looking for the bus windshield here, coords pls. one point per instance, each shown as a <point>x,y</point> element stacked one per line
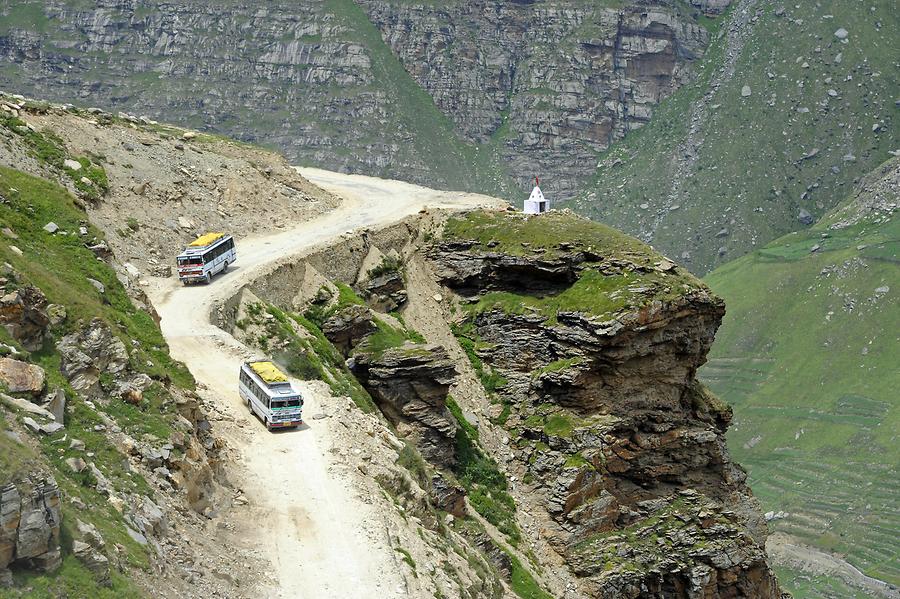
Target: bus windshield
<point>190,260</point>
<point>285,403</point>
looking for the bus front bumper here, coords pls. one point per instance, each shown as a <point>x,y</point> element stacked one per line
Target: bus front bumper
<point>286,424</point>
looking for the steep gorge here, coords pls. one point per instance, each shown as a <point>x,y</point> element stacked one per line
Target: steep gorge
<point>611,452</point>
<point>518,413</point>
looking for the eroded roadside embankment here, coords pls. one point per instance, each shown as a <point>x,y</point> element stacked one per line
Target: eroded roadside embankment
<point>283,312</point>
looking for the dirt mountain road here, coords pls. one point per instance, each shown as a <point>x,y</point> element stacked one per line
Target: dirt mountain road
<point>320,539</point>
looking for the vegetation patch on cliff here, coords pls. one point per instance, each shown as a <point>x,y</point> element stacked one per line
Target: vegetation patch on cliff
<point>485,484</point>
<point>553,235</point>
<point>612,272</point>
<point>88,176</point>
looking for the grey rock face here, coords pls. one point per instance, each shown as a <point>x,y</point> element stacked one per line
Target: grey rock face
<point>805,217</point>
<point>296,76</point>
<point>90,352</point>
<point>348,327</point>
<point>548,85</point>
<point>447,497</point>
<point>551,83</point>
<point>410,386</point>
<point>56,404</point>
<point>386,292</point>
<point>23,313</point>
<point>30,520</point>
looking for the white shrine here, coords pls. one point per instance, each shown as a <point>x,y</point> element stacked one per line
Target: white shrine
<point>536,202</point>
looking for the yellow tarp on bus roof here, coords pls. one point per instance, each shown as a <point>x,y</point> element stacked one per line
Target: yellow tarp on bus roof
<point>206,239</point>
<point>268,372</point>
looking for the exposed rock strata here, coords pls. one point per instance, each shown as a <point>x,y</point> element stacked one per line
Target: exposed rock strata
<point>410,386</point>
<point>620,445</point>
<point>348,327</point>
<point>545,86</point>
<point>29,526</point>
<point>550,83</point>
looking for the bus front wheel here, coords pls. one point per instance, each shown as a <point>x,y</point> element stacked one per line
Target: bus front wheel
<point>208,278</point>
<point>225,267</point>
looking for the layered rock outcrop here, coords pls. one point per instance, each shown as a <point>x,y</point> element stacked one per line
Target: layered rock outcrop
<point>90,352</point>
<point>410,385</point>
<point>598,340</point>
<point>348,327</point>
<point>30,522</point>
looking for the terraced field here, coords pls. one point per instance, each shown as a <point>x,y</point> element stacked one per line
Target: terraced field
<point>807,356</point>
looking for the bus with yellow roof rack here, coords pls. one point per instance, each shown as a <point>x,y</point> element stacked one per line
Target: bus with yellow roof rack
<point>270,394</point>
<point>209,254</point>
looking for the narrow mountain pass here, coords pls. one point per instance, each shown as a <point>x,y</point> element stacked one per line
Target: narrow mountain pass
<point>319,537</point>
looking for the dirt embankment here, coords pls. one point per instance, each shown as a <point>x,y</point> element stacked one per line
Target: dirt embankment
<point>167,185</point>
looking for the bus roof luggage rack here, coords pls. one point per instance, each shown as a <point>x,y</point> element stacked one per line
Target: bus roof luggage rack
<point>206,239</point>
<point>268,372</point>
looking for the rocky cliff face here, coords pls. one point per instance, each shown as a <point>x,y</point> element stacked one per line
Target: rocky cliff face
<point>597,342</point>
<point>538,88</point>
<point>29,526</point>
<point>550,83</point>
<point>313,79</point>
<point>410,385</point>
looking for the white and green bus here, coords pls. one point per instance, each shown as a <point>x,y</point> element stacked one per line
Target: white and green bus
<point>270,395</point>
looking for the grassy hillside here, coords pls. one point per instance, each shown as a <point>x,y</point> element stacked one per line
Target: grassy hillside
<point>61,266</point>
<point>820,113</point>
<point>807,355</point>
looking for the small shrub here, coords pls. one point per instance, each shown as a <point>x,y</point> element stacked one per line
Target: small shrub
<point>302,366</point>
<point>407,559</point>
<point>410,459</point>
<point>388,265</point>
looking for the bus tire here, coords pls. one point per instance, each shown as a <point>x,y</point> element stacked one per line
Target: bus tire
<point>268,425</point>
<point>225,267</point>
<point>208,278</point>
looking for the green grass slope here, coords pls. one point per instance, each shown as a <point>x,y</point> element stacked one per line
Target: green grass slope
<point>808,357</point>
<point>801,138</point>
<point>60,265</point>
